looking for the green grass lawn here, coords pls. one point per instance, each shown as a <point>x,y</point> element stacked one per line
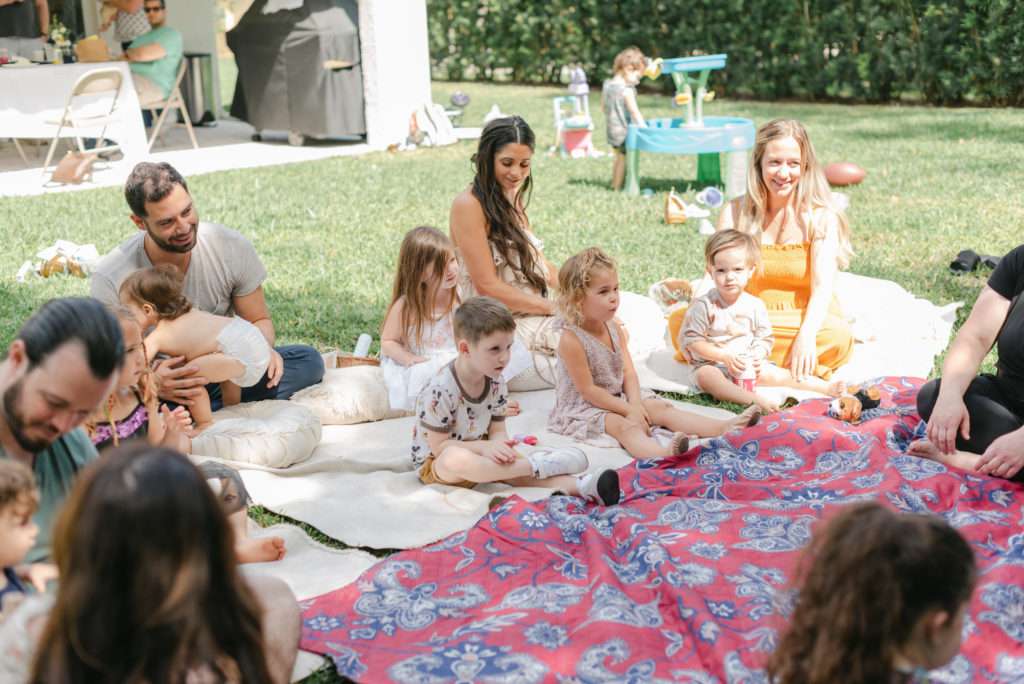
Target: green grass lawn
<point>939,180</point>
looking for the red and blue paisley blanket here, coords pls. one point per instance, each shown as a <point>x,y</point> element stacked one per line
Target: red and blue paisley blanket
<point>687,579</point>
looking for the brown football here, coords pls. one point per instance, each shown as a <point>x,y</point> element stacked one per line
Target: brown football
<point>844,173</point>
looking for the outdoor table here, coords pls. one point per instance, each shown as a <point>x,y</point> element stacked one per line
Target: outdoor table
<point>32,95</point>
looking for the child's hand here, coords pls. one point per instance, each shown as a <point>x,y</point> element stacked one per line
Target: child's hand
<point>499,451</point>
<point>275,369</point>
<point>637,414</point>
<point>512,408</point>
<point>735,365</point>
<point>37,574</point>
<point>176,430</point>
<point>414,360</point>
<point>182,417</point>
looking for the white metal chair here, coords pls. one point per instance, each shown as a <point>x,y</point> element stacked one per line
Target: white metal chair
<point>174,100</point>
<point>88,109</point>
<point>17,146</point>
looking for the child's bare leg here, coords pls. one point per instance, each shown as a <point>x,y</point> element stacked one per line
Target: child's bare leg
<point>230,393</point>
<point>632,438</point>
<point>618,170</point>
<point>679,420</point>
<point>456,464</point>
<point>253,550</point>
<point>217,367</point>
<point>202,414</point>
<point>713,381</point>
<point>773,376</point>
<point>964,460</point>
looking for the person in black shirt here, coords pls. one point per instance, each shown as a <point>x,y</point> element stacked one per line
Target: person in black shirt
<point>976,422</point>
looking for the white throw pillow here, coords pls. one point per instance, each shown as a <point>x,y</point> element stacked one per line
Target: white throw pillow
<point>355,394</point>
<point>270,433</point>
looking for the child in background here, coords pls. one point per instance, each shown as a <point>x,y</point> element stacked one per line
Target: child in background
<point>460,438</point>
<point>19,500</point>
<point>132,410</point>
<point>618,96</point>
<point>231,351</point>
<point>727,329</point>
<point>883,598</point>
<point>417,338</point>
<point>598,399</point>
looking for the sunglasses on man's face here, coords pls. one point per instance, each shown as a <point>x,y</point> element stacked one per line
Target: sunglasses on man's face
<point>154,9</point>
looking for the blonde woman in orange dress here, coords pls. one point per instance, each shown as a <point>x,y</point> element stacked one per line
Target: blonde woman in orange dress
<point>805,239</point>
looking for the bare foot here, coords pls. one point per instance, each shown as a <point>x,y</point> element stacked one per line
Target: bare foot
<point>958,459</point>
<point>767,405</point>
<point>836,388</point>
<point>512,408</point>
<point>260,550</point>
<point>748,417</point>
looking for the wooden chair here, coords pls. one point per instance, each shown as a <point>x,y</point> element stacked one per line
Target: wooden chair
<point>174,100</point>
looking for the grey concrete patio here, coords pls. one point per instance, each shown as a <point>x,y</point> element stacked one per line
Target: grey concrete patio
<point>228,145</point>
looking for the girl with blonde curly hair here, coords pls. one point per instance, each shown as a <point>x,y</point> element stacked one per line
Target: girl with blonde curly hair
<point>598,399</point>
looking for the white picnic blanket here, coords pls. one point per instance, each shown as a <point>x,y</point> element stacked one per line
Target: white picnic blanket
<point>309,569</point>
<point>359,486</point>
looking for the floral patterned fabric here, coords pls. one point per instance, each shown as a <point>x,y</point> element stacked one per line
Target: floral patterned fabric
<point>687,579</point>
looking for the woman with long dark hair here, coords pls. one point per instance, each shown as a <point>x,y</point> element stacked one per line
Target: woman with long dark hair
<point>499,255</point>
<point>149,585</point>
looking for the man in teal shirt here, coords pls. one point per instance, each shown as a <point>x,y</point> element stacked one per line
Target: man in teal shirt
<point>60,368</point>
<point>154,56</point>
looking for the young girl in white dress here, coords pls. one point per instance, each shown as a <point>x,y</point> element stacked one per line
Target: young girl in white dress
<point>598,399</point>
<point>417,338</point>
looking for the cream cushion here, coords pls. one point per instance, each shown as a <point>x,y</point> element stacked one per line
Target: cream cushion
<point>355,394</point>
<point>271,433</point>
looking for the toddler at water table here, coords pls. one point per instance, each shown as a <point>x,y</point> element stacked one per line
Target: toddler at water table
<point>598,399</point>
<point>460,437</point>
<point>231,351</point>
<point>618,95</point>
<point>727,329</point>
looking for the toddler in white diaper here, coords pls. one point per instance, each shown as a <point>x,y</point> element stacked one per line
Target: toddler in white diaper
<point>231,351</point>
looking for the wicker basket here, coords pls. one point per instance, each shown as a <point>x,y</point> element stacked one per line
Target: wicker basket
<point>339,359</point>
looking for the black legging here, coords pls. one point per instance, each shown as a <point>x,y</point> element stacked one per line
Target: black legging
<point>994,405</point>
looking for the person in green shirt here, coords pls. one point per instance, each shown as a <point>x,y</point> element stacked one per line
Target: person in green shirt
<point>154,56</point>
<point>61,366</point>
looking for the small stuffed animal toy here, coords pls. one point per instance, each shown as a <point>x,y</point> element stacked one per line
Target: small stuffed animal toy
<point>849,407</point>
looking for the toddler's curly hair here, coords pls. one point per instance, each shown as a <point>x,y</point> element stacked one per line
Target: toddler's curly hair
<point>17,485</point>
<point>574,278</point>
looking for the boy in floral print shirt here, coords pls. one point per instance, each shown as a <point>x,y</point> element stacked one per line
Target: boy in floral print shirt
<point>460,437</point>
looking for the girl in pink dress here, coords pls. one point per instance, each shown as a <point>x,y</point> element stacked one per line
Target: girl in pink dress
<point>598,399</point>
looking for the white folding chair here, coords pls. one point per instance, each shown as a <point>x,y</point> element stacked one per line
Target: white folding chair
<point>174,100</point>
<point>87,109</point>
<point>17,146</point>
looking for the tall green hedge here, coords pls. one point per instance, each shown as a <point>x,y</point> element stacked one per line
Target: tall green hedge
<point>946,51</point>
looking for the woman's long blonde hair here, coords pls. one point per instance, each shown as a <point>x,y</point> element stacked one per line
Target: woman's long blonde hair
<point>812,191</point>
<point>422,247</point>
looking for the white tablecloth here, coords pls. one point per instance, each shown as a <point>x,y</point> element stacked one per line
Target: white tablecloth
<point>32,95</point>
